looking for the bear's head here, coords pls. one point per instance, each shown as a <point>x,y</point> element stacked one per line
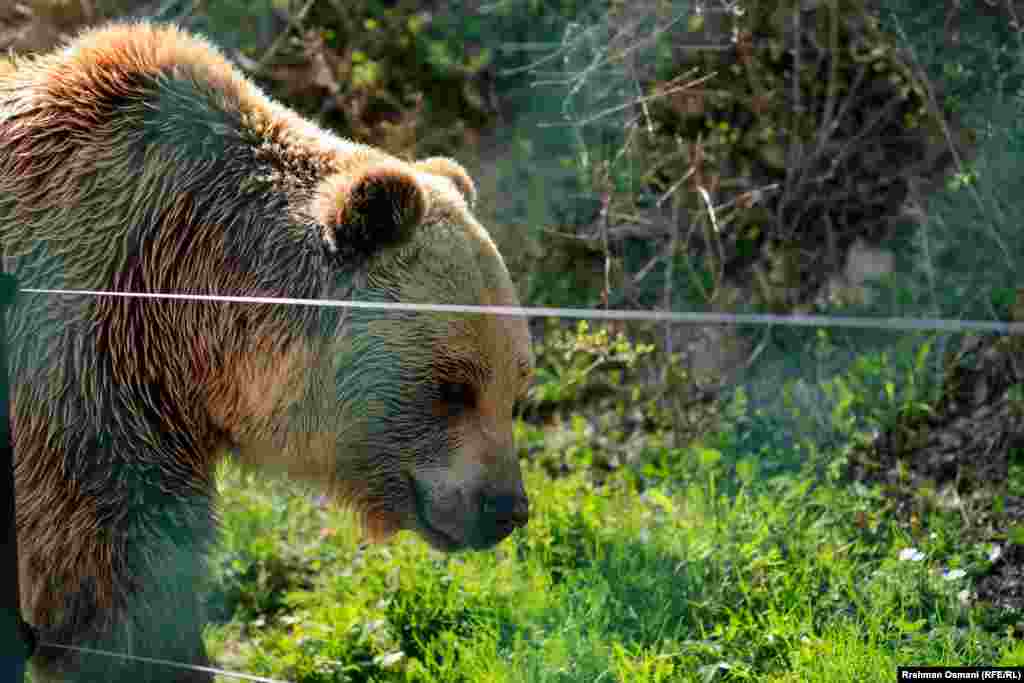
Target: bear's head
<point>409,415</point>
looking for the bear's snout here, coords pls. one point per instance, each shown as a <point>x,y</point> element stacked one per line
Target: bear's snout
<point>478,516</point>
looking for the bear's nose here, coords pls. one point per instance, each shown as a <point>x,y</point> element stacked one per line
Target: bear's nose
<point>505,512</point>
<point>510,508</point>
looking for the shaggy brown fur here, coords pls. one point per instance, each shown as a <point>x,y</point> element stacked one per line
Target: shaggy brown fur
<point>137,159</point>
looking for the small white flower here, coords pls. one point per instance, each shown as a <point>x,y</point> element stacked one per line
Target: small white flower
<point>954,574</point>
<point>995,553</point>
<point>964,597</point>
<point>911,555</point>
<point>389,660</point>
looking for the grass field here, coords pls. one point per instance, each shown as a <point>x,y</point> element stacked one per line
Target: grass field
<point>724,575</point>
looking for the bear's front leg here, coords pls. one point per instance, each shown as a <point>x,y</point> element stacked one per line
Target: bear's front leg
<point>151,608</point>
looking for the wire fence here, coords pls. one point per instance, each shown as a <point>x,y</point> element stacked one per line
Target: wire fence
<point>165,662</point>
<point>693,318</point>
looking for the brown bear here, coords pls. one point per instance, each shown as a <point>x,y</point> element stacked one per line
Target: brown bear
<point>137,159</point>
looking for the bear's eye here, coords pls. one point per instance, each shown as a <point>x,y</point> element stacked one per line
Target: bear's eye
<point>458,394</point>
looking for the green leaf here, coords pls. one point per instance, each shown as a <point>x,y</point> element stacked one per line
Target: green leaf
<point>910,626</point>
<point>708,457</point>
<point>746,470</point>
<point>661,500</point>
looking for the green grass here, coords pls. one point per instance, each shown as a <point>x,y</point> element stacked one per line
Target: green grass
<point>781,580</point>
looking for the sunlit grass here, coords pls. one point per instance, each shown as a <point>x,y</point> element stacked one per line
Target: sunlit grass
<point>781,581</point>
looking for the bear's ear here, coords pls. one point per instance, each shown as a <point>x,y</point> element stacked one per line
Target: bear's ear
<point>379,206</point>
<point>453,171</point>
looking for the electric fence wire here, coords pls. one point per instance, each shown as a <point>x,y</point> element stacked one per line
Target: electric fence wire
<point>800,320</point>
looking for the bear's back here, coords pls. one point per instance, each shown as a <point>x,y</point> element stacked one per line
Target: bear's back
<point>133,119</point>
<point>156,85</point>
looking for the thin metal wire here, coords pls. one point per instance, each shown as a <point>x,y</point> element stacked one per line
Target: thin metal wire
<point>165,662</point>
<point>904,324</point>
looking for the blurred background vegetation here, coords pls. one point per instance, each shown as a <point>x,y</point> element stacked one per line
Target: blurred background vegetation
<point>839,157</point>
